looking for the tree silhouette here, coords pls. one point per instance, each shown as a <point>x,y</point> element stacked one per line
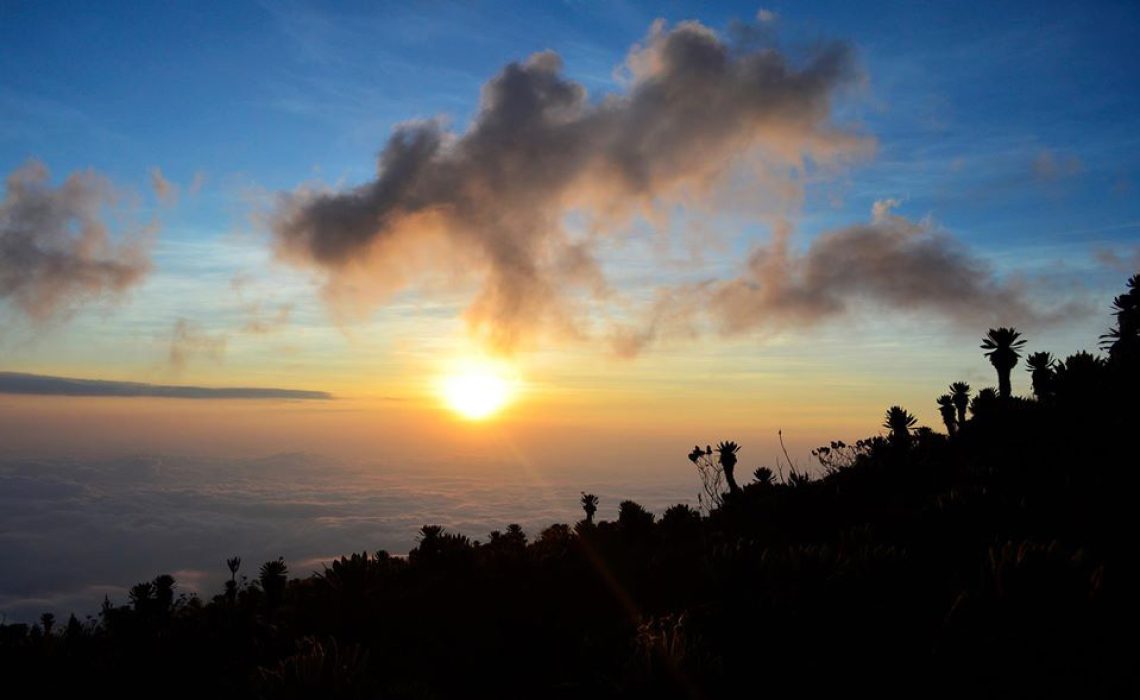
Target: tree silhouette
<point>1040,366</point>
<point>47,621</point>
<point>948,412</point>
<point>164,592</point>
<point>900,422</point>
<point>960,392</point>
<point>727,457</point>
<point>633,518</point>
<point>74,627</point>
<point>272,577</point>
<point>233,564</point>
<point>983,401</point>
<point>514,536</point>
<point>1079,379</point>
<point>590,505</point>
<point>141,596</point>
<point>1002,346</point>
<point>437,546</point>
<point>1123,340</point>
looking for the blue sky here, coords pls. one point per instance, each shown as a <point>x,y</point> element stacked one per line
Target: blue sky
<point>963,97</point>
<point>1011,125</point>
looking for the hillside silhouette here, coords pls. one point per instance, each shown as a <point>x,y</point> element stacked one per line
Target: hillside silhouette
<point>996,556</point>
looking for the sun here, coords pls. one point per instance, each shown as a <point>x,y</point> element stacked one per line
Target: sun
<point>476,392</point>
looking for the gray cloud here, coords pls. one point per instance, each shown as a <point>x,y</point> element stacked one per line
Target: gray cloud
<point>187,340</point>
<point>56,252</point>
<point>261,321</point>
<point>1126,261</point>
<point>889,262</point>
<point>491,201</point>
<point>44,385</point>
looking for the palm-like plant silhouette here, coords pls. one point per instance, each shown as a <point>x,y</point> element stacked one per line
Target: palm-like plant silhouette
<point>1079,378</point>
<point>47,621</point>
<point>900,422</point>
<point>233,564</point>
<point>983,401</point>
<point>1002,346</point>
<point>1123,340</point>
<point>141,596</point>
<point>948,412</point>
<point>727,455</point>
<point>272,577</point>
<point>590,505</point>
<point>960,393</point>
<point>1040,366</point>
<point>164,592</point>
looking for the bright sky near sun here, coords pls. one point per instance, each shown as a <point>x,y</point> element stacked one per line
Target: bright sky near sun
<point>1002,137</point>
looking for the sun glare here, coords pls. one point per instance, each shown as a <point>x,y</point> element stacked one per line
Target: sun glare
<point>476,393</point>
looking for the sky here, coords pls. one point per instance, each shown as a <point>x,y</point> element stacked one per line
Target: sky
<point>264,234</point>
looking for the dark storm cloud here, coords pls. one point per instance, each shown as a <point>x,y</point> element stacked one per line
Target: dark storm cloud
<point>42,385</point>
<point>493,198</point>
<point>56,252</point>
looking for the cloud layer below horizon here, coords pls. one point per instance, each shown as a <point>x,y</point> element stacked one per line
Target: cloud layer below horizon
<point>42,385</point>
<point>147,515</point>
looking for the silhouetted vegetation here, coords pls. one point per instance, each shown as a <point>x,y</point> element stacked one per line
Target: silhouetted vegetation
<point>998,559</point>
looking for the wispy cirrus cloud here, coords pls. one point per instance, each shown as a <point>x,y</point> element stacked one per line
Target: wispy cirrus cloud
<point>164,189</point>
<point>1051,166</point>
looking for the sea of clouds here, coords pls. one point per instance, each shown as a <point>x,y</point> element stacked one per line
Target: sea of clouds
<point>73,531</point>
